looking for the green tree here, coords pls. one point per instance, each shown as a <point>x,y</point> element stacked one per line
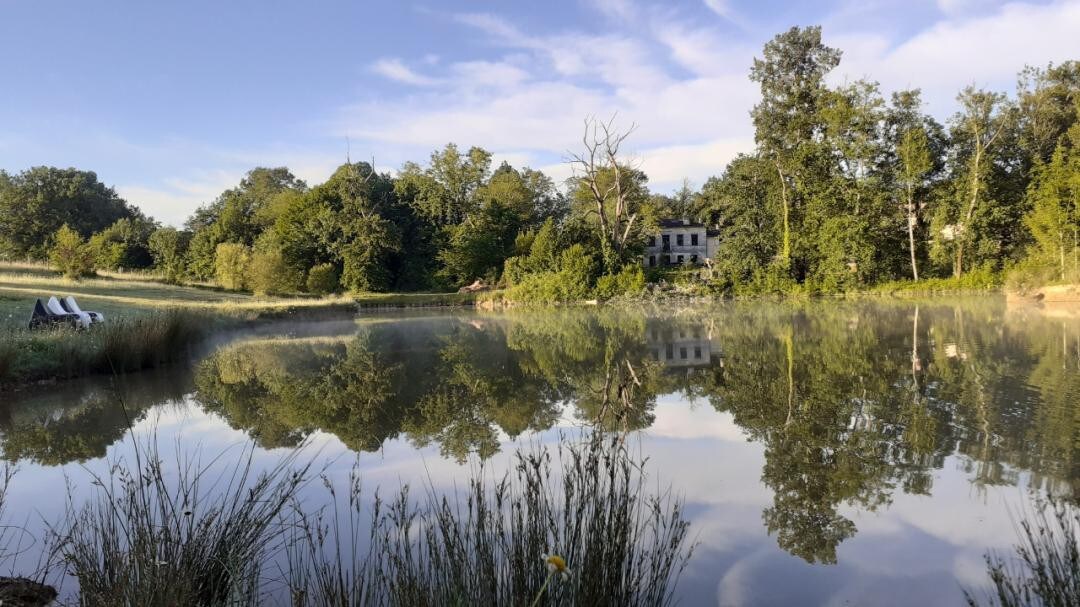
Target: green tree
<point>977,128</point>
<point>35,203</point>
<point>240,215</point>
<point>915,163</point>
<point>232,262</point>
<point>745,204</point>
<point>323,279</point>
<point>270,275</point>
<point>1054,219</point>
<point>168,247</point>
<point>70,254</point>
<point>787,120</point>
<point>125,244</point>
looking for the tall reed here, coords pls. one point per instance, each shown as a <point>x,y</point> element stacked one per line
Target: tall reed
<point>624,545</point>
<point>154,536</point>
<point>1045,569</point>
<point>158,536</point>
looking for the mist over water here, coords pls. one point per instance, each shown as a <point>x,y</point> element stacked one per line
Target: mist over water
<point>828,452</point>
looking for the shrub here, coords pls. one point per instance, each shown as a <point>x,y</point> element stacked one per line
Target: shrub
<point>571,282</point>
<point>232,262</point>
<point>71,254</point>
<point>269,274</point>
<point>629,281</point>
<point>323,279</point>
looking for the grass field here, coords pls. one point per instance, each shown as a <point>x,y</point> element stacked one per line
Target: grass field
<point>141,310</point>
<point>127,296</point>
<point>119,295</point>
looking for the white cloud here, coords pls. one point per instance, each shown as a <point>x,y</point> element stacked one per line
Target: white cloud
<point>720,7</point>
<point>172,202</point>
<point>954,7</point>
<point>683,87</point>
<point>396,70</point>
<point>987,50</point>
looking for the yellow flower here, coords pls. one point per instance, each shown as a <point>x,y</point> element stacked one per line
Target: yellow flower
<point>556,564</point>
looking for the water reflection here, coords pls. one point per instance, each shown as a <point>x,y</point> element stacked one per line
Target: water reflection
<point>852,403</point>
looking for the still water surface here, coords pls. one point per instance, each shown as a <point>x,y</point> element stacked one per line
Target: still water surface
<point>828,452</point>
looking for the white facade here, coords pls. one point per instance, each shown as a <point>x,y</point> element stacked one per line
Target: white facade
<point>680,242</point>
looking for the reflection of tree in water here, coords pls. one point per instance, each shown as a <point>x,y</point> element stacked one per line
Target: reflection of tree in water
<point>854,401</point>
<point>79,422</point>
<point>851,401</point>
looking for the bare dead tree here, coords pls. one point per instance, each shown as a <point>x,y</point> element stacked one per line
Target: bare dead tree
<point>606,177</point>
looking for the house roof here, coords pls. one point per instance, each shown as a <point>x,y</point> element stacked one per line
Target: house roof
<point>678,223</point>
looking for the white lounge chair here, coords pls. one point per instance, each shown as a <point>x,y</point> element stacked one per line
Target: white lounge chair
<point>73,306</point>
<point>41,317</point>
<point>54,307</point>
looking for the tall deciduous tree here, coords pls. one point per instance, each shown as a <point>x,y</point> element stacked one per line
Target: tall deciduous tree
<point>1054,219</point>
<point>979,124</point>
<point>612,190</point>
<point>791,73</point>
<point>915,162</point>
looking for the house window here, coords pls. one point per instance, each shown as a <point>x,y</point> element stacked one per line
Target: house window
<point>693,259</point>
<point>667,260</point>
<point>682,353</point>
<point>679,239</point>
<point>666,238</point>
<point>656,354</point>
<point>652,241</point>
<point>670,351</point>
<point>693,240</point>
<point>697,352</point>
<point>652,260</point>
<point>680,258</point>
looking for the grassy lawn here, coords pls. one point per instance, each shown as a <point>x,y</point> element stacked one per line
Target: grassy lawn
<point>128,296</point>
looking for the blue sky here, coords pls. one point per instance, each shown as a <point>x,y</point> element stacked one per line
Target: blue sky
<point>171,102</point>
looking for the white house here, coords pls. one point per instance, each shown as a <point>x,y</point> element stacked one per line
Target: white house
<point>681,242</point>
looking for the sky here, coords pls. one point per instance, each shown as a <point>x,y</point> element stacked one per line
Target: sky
<point>172,102</point>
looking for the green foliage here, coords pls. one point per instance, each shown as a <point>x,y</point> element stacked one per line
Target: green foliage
<point>1054,218</point>
<point>270,275</point>
<point>232,262</point>
<point>571,280</point>
<point>629,281</point>
<point>167,248</point>
<point>124,245</point>
<point>71,254</point>
<point>323,279</point>
<point>979,279</point>
<point>240,215</point>
<point>35,203</point>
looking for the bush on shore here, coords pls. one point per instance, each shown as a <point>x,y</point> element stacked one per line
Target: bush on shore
<point>71,254</point>
<point>323,279</point>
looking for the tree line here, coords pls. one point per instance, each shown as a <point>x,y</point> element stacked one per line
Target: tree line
<point>845,189</point>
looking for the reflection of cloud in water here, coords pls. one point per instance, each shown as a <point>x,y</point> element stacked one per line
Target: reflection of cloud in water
<point>905,500</point>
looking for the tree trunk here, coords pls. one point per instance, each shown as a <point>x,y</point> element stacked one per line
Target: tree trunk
<point>785,253</point>
<point>965,229</point>
<point>911,233</point>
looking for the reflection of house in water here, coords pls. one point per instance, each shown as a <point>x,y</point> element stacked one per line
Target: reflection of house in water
<point>679,345</point>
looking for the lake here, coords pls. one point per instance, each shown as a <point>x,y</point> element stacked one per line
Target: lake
<point>830,452</point>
